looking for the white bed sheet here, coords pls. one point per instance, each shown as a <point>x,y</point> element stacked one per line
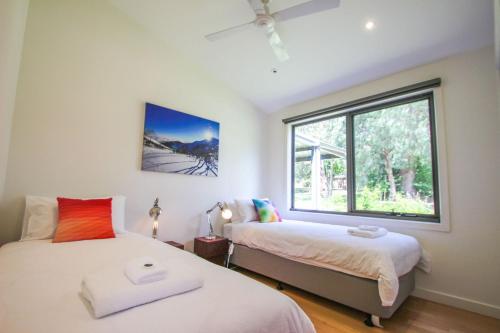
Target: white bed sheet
<point>40,285</point>
<point>382,259</point>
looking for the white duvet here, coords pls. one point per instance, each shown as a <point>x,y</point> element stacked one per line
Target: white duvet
<point>40,285</point>
<point>382,259</point>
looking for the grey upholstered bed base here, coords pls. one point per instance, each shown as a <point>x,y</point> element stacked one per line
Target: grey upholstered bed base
<point>358,293</point>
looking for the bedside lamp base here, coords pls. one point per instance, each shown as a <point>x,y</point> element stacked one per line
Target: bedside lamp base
<point>226,215</point>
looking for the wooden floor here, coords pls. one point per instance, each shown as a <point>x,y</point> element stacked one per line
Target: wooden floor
<point>416,315</point>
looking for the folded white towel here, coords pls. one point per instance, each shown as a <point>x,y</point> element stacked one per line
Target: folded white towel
<point>110,291</point>
<point>144,270</point>
<point>367,227</point>
<point>366,233</point>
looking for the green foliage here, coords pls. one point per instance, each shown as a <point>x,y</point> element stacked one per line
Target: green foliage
<point>335,203</point>
<point>400,134</point>
<point>303,174</point>
<point>331,169</point>
<point>423,178</point>
<point>331,131</point>
<point>338,167</point>
<point>405,205</point>
<point>377,179</point>
<point>368,198</point>
<point>391,142</point>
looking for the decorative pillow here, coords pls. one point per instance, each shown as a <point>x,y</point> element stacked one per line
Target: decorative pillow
<point>247,210</point>
<point>266,210</point>
<point>40,217</point>
<point>83,219</point>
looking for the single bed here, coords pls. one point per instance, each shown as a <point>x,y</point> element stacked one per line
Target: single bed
<point>372,275</point>
<point>40,292</point>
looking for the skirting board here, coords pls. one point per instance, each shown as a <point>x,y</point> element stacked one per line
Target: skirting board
<point>458,302</point>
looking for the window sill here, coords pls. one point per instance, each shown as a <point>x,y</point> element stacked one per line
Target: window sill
<point>418,219</point>
<point>354,220</point>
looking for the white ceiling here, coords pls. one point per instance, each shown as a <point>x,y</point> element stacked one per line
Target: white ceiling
<point>329,51</point>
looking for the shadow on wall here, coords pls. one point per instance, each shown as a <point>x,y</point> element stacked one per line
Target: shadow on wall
<point>11,219</point>
<point>167,231</point>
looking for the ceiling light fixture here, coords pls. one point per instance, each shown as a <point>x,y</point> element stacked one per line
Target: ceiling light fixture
<point>369,25</point>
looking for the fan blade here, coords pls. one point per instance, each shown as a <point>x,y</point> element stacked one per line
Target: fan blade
<point>308,8</point>
<point>229,31</point>
<point>277,45</point>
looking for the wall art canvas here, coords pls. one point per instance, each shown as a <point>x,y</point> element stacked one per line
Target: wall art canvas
<point>177,142</point>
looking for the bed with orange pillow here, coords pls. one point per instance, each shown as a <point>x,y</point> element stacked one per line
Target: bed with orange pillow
<point>81,219</point>
<point>40,282</point>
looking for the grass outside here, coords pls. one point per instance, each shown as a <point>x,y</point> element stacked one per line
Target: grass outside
<point>365,200</point>
<point>337,202</point>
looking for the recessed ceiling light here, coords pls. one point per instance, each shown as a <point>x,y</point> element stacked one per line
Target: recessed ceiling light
<point>369,25</point>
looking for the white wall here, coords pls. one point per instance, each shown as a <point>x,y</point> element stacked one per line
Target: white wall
<point>86,72</point>
<point>496,9</point>
<point>12,23</point>
<point>466,261</point>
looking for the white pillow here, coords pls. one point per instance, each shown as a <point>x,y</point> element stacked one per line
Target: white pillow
<point>236,218</point>
<point>247,210</point>
<point>41,216</point>
<point>118,213</point>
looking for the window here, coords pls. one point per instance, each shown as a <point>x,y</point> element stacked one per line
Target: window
<point>320,166</point>
<point>377,159</point>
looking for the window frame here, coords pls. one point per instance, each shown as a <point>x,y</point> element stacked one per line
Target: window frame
<point>366,107</point>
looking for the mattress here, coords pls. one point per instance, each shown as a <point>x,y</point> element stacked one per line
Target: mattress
<point>40,285</point>
<point>382,259</point>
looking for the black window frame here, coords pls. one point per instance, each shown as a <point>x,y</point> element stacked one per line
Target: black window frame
<point>382,101</point>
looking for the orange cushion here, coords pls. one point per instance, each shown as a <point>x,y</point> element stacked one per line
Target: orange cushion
<point>83,219</point>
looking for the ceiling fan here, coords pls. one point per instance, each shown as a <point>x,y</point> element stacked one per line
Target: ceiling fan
<point>266,21</point>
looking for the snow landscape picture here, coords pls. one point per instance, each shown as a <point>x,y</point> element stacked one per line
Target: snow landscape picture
<point>178,142</point>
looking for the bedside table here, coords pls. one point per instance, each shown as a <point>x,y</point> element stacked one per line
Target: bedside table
<point>175,244</point>
<point>213,250</point>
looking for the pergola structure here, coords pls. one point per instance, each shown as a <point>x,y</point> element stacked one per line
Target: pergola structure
<point>313,150</point>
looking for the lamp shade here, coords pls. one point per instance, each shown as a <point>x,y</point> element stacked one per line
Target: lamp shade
<point>226,213</point>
